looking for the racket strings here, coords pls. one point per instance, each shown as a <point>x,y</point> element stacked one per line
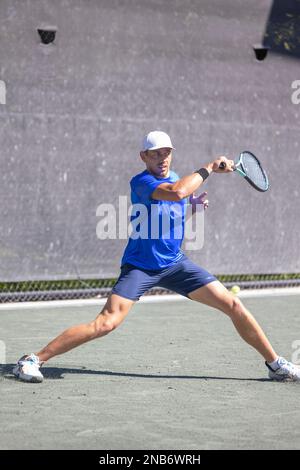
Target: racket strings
<point>253,170</point>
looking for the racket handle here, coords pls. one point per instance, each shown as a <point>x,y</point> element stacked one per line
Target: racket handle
<point>222,165</point>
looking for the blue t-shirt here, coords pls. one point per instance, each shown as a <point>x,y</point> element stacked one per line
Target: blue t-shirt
<point>157,226</point>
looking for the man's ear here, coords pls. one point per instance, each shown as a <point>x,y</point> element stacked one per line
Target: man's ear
<point>143,155</point>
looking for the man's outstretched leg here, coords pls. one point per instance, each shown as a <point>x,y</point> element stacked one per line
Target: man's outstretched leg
<point>216,295</point>
<point>111,316</point>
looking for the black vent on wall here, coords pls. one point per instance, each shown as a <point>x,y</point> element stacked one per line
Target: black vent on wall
<point>260,52</point>
<point>47,35</point>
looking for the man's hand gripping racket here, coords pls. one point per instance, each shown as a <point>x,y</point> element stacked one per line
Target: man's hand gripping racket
<point>249,167</point>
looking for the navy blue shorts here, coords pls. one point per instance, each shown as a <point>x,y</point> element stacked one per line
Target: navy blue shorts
<point>182,277</point>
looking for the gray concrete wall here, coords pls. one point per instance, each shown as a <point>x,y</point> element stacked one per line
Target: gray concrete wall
<point>77,110</point>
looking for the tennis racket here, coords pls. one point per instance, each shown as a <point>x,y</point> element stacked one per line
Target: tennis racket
<point>248,166</point>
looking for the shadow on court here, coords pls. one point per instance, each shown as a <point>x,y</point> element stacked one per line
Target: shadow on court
<point>59,372</point>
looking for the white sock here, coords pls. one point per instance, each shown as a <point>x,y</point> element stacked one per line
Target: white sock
<point>274,364</point>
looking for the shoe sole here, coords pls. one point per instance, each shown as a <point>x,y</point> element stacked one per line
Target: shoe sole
<point>278,378</point>
<point>31,380</point>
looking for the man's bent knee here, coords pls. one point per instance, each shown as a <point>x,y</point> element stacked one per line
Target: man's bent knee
<point>104,324</point>
<point>235,308</point>
<point>109,322</point>
<point>111,316</point>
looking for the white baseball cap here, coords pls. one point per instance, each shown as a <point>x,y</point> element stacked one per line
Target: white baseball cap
<point>156,140</point>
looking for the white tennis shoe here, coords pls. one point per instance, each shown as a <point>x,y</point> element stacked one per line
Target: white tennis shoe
<point>28,369</point>
<point>286,371</point>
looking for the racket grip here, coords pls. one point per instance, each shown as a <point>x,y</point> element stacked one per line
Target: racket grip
<point>222,165</point>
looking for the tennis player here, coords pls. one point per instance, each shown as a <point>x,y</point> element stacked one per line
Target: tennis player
<point>158,261</point>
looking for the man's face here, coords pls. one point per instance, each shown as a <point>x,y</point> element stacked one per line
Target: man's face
<point>158,161</point>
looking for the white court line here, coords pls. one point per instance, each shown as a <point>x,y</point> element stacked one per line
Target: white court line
<point>248,293</point>
<point>275,292</point>
<point>84,302</point>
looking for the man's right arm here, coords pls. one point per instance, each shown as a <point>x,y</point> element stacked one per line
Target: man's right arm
<point>186,186</point>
